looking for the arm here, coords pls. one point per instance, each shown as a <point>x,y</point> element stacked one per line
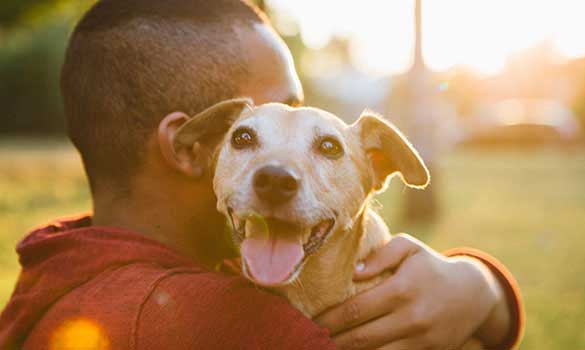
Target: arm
<point>430,301</point>
<point>504,326</point>
<point>212,311</point>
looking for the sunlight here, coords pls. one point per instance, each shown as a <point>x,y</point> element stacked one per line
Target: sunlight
<point>478,34</point>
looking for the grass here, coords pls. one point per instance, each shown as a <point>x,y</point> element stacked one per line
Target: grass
<point>525,207</point>
<point>38,182</point>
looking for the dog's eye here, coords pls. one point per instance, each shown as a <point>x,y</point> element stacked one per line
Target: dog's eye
<point>243,137</point>
<point>330,147</point>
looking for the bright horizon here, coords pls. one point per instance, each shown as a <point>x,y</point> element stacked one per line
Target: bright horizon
<point>478,34</point>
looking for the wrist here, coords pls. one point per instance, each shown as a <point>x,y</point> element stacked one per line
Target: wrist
<point>490,308</point>
<point>480,281</point>
<point>494,329</point>
<point>479,285</point>
<point>507,315</point>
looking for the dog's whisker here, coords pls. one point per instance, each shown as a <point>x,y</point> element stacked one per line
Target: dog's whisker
<point>304,212</point>
<point>300,285</point>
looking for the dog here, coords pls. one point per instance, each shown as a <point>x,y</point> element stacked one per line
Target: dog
<point>295,184</point>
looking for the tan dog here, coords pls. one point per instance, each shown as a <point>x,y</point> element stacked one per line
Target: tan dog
<point>295,183</point>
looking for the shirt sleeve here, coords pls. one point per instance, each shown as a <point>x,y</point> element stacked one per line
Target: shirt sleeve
<point>213,311</point>
<point>511,291</point>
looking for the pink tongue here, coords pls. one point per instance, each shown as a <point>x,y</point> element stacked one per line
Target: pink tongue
<point>272,258</point>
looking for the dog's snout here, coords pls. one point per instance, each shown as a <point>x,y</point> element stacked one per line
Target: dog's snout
<point>275,185</point>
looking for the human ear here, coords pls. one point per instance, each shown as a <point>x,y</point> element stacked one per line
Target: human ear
<point>187,144</point>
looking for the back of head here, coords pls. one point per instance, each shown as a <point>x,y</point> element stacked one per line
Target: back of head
<point>130,63</point>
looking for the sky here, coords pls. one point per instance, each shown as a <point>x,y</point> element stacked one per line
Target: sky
<point>479,34</point>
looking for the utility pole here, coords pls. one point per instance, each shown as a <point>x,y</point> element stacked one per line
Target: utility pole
<point>418,56</point>
<point>421,122</point>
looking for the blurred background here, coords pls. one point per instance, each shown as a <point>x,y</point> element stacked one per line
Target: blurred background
<point>492,93</point>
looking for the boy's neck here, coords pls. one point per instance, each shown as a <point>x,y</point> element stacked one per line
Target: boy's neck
<point>195,232</point>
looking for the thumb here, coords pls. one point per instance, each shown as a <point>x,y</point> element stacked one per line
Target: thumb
<point>388,257</point>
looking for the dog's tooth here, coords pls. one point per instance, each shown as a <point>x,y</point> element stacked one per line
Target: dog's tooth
<point>247,229</point>
<point>306,235</point>
<point>255,225</point>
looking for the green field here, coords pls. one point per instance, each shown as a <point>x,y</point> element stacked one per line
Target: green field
<point>525,207</point>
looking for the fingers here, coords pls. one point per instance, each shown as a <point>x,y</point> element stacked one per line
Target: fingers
<point>388,257</point>
<point>390,330</point>
<point>373,303</point>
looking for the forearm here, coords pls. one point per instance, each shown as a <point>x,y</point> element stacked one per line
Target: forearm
<point>503,327</point>
<point>496,327</point>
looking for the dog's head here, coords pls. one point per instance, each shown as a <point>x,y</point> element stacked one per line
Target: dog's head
<point>288,178</point>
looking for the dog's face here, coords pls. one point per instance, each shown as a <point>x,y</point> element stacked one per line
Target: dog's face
<point>289,178</point>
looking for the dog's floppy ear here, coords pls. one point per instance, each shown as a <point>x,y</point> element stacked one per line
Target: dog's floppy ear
<point>389,153</point>
<point>209,126</point>
<point>197,138</point>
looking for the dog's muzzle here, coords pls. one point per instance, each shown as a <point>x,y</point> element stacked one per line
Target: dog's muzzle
<point>273,250</point>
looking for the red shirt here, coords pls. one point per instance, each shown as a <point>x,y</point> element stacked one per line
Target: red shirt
<point>98,288</point>
<point>106,288</point>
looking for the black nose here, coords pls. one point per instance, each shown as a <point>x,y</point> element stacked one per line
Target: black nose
<point>275,185</point>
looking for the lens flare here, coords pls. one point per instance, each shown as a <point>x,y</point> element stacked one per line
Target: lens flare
<point>77,334</point>
<point>481,35</point>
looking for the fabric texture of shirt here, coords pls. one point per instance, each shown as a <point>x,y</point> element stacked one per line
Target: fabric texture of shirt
<point>103,288</point>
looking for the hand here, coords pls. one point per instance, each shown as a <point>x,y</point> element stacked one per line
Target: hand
<point>430,302</point>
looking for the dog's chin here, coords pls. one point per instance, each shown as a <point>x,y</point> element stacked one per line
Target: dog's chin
<point>283,245</point>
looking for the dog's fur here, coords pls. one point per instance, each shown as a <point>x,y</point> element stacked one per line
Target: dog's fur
<point>338,189</point>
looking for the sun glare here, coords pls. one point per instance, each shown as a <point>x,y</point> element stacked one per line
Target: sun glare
<point>78,334</point>
<point>480,34</point>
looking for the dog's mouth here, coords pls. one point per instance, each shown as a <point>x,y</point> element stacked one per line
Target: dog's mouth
<point>274,250</point>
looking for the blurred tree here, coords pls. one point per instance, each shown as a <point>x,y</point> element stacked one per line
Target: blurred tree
<point>13,11</point>
<point>29,73</point>
<point>464,89</point>
<point>31,53</point>
<point>415,99</point>
<point>579,105</point>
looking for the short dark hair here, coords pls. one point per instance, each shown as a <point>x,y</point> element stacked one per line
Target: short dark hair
<point>130,63</point>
